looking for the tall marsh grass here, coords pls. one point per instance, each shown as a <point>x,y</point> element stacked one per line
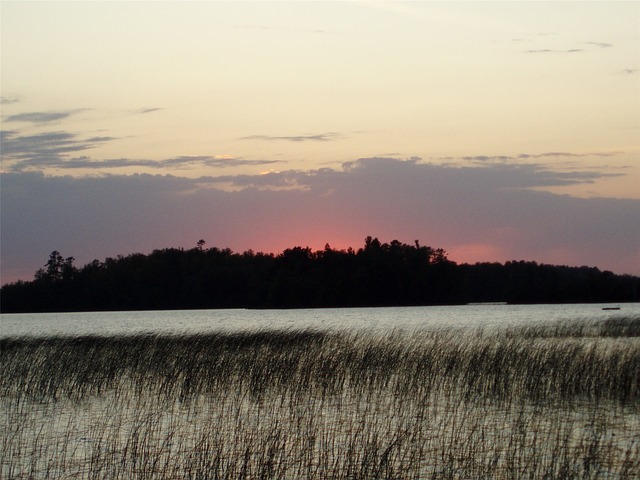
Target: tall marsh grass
<point>547,401</point>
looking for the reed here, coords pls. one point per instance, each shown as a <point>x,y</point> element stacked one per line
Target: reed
<point>550,401</point>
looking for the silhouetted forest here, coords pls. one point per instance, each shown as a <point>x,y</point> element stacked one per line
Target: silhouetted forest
<point>378,274</point>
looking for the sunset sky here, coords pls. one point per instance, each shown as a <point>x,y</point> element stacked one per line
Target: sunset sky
<point>495,130</point>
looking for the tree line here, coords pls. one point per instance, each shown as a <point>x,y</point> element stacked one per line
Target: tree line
<point>378,274</point>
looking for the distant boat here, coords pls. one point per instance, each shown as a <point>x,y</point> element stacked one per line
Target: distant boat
<point>611,308</point>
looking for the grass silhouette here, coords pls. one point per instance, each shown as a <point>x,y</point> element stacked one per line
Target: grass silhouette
<point>546,401</point>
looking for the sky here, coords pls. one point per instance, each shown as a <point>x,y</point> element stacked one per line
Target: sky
<point>495,130</point>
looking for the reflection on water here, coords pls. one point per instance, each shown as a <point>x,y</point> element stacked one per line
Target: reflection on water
<point>435,404</point>
<point>405,318</point>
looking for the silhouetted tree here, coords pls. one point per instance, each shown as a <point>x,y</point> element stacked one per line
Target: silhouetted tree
<point>377,274</point>
<point>57,268</point>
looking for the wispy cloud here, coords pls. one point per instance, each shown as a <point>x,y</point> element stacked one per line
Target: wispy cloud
<point>591,46</point>
<point>38,151</point>
<point>55,149</point>
<point>217,161</point>
<point>186,161</point>
<point>599,44</point>
<point>5,100</point>
<point>142,111</point>
<point>527,156</point>
<point>549,50</point>
<point>320,137</point>
<point>40,117</point>
<point>52,151</point>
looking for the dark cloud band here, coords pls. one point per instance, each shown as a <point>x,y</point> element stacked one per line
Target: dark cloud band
<point>494,204</point>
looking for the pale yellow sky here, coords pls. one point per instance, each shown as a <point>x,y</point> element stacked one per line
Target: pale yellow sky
<point>314,84</point>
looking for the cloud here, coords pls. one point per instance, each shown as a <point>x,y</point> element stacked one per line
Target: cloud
<point>321,137</point>
<point>86,163</point>
<point>41,117</point>
<point>549,50</point>
<point>21,152</point>
<point>451,207</point>
<point>599,44</point>
<point>485,158</point>
<point>528,156</point>
<point>142,111</point>
<point>569,154</point>
<point>38,117</point>
<point>213,161</point>
<point>5,100</point>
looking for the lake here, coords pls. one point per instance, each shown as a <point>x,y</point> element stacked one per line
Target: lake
<point>420,403</point>
<point>377,319</point>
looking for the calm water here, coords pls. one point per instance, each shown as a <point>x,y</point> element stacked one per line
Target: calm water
<point>406,318</point>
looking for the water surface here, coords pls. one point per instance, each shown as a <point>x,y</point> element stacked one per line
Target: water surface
<point>385,318</point>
